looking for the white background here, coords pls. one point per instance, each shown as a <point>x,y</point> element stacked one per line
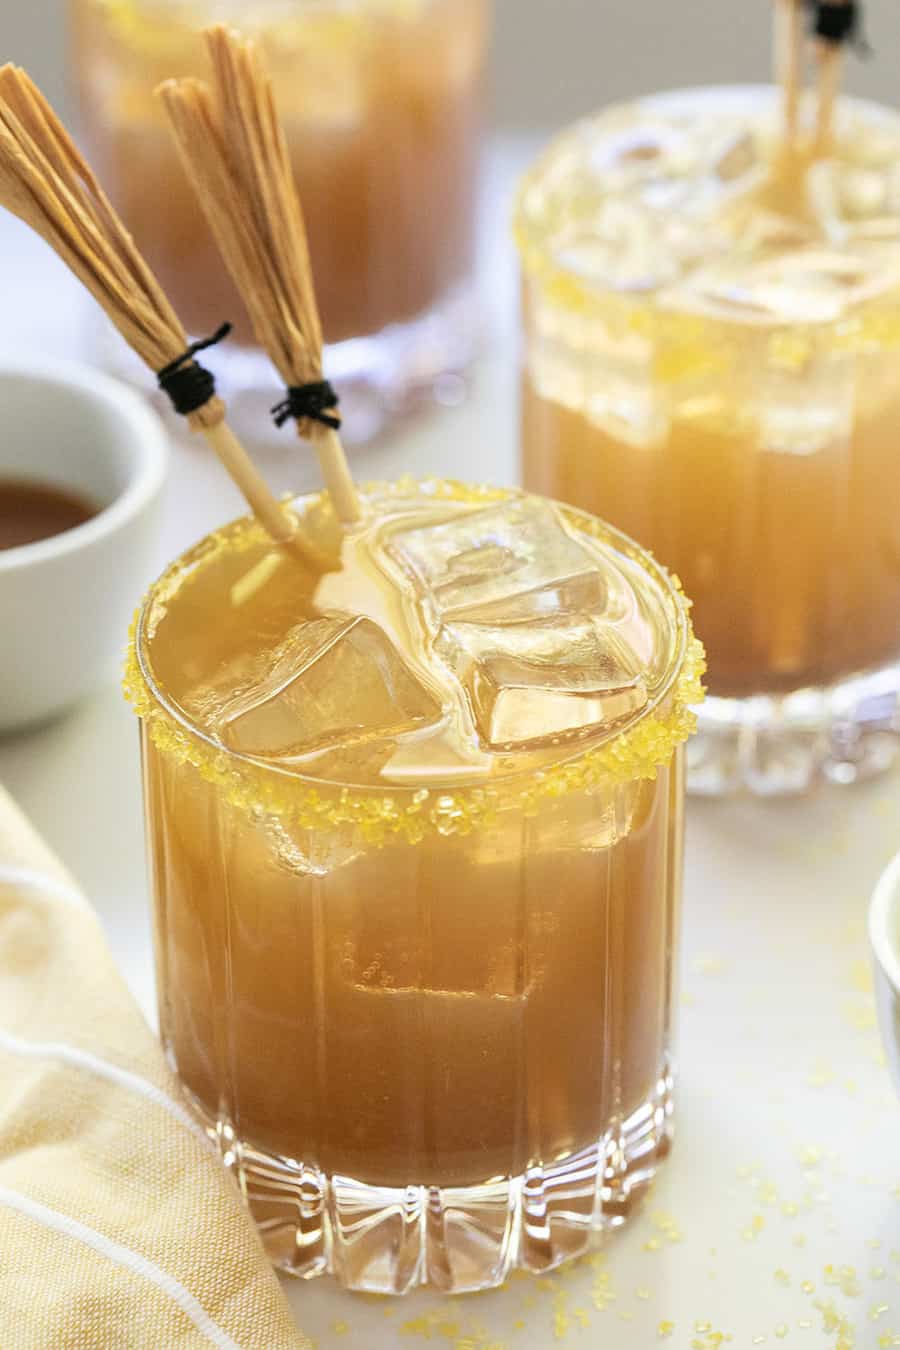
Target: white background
<point>555,59</point>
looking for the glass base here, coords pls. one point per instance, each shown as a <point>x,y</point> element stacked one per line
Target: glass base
<point>383,1240</point>
<point>785,745</point>
<point>381,379</point>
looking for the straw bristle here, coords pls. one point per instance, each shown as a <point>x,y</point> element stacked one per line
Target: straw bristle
<point>234,150</point>
<point>243,176</point>
<point>47,183</point>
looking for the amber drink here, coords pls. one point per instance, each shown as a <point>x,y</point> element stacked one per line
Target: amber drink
<point>415,829</point>
<point>712,363</point>
<point>381,105</point>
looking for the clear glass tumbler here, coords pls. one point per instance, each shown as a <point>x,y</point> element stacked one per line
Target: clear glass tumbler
<point>421,997</point>
<point>712,362</point>
<point>381,101</point>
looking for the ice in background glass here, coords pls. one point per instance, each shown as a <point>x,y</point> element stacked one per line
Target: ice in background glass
<point>415,833</point>
<point>712,362</point>
<point>381,101</point>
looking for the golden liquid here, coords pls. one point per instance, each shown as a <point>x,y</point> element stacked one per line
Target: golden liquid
<point>381,105</point>
<point>441,1011</point>
<point>765,476</point>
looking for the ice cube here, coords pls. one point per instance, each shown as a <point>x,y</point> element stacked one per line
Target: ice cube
<point>536,682</point>
<point>333,681</point>
<point>508,563</point>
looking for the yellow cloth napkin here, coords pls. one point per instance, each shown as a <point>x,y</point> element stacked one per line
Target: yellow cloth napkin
<point>118,1225</point>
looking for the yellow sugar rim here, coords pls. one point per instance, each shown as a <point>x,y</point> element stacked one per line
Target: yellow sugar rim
<point>636,753</point>
<point>693,338</point>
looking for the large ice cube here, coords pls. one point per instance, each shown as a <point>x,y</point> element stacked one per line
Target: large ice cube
<point>533,682</point>
<point>509,563</point>
<point>333,681</point>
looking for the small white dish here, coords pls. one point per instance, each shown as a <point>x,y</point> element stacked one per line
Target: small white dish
<point>884,934</point>
<point>66,602</point>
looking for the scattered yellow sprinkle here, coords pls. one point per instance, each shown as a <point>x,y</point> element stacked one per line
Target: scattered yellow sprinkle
<point>811,1155</point>
<point>808,1287</point>
<point>804,1324</point>
<point>800,1240</point>
<point>789,1209</point>
<point>782,1277</point>
<point>709,965</point>
<point>781,1330</point>
<point>844,1277</point>
<point>861,976</point>
<point>642,1293</point>
<point>582,1317</point>
<point>759,1340</point>
<point>874,1244</point>
<point>340,1328</point>
<point>652,1245</point>
<point>877,1273</point>
<point>665,1330</point>
<point>820,1075</point>
<point>518,1324</point>
<point>878,1311</point>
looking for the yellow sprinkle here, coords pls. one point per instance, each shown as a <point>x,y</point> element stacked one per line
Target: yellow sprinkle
<point>518,1325</point>
<point>874,1244</point>
<point>800,1240</point>
<point>652,1245</point>
<point>642,1294</point>
<point>582,1317</point>
<point>781,1330</point>
<point>808,1287</point>
<point>804,1324</point>
<point>789,1209</point>
<point>759,1340</point>
<point>665,1330</point>
<point>878,1311</point>
<point>877,1273</point>
<point>709,965</point>
<point>703,1327</point>
<point>811,1155</point>
<point>782,1277</point>
<point>340,1328</point>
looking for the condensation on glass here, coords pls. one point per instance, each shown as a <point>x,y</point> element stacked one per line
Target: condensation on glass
<point>417,880</point>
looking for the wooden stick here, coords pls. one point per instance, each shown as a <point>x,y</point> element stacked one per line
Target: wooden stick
<point>46,183</point>
<point>788,47</point>
<point>829,77</point>
<point>234,150</point>
<point>835,26</point>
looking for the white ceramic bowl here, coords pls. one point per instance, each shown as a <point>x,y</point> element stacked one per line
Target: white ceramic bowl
<point>884,934</point>
<point>66,602</point>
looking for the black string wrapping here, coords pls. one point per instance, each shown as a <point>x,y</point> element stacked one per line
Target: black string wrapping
<point>189,385</point>
<point>315,402</point>
<point>838,23</point>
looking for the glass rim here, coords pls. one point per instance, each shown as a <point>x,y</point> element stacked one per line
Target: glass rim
<point>636,751</point>
<point>575,295</point>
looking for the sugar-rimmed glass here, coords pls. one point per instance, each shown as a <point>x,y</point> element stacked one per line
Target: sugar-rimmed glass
<point>428,1023</point>
<point>712,345</point>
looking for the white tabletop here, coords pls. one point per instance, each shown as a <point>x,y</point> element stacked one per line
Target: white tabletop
<point>778,1216</point>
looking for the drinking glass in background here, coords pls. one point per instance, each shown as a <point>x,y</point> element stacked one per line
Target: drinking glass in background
<point>381,101</point>
<point>712,362</point>
<point>417,876</point>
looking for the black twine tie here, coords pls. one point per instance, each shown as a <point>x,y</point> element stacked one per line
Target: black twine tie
<point>188,384</point>
<point>312,401</point>
<point>838,23</point>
